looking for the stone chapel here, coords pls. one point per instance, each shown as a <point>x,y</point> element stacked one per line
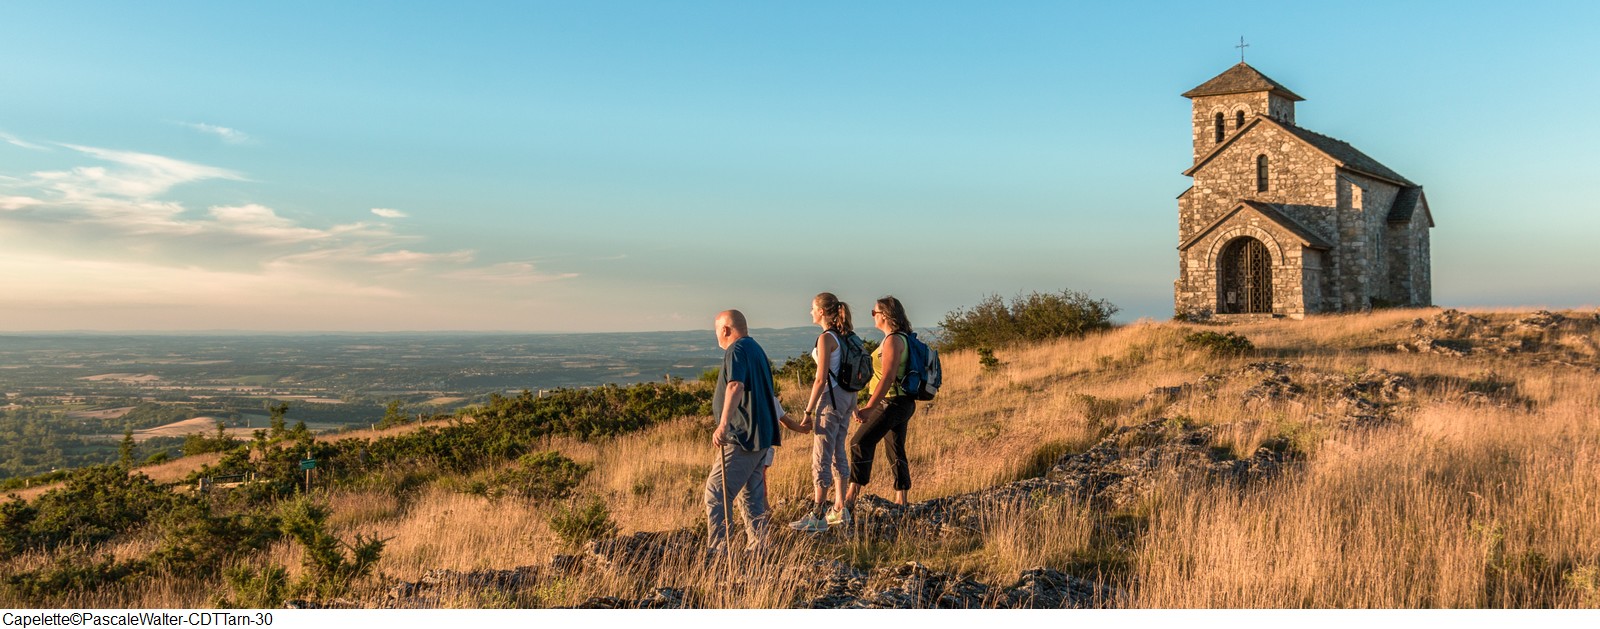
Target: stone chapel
<point>1283,221</point>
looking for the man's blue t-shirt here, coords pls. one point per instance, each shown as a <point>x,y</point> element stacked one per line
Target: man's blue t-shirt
<point>753,423</point>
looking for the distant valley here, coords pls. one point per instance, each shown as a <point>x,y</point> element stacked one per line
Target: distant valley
<point>69,397</point>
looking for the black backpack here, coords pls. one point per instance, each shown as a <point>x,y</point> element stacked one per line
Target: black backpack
<point>855,362</point>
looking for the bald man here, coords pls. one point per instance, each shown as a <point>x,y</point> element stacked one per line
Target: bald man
<point>747,429</point>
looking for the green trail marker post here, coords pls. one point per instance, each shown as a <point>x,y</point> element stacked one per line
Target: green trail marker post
<point>308,464</point>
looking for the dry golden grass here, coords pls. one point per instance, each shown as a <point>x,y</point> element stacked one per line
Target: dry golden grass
<point>1464,507</point>
<point>1461,502</point>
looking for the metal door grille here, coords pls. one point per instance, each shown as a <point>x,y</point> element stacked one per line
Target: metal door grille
<point>1246,278</point>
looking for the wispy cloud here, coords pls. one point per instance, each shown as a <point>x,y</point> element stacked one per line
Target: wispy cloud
<point>115,217</point>
<point>516,273</point>
<point>121,194</point>
<point>261,222</point>
<point>17,203</point>
<point>231,136</point>
<point>16,141</point>
<point>364,254</point>
<point>139,175</point>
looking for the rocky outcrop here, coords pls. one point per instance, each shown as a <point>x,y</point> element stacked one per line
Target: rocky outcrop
<point>663,598</point>
<point>916,586</point>
<point>1548,336</point>
<point>643,551</point>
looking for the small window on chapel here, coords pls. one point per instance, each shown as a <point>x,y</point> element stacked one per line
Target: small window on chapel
<point>1219,126</point>
<point>1261,173</point>
<point>1238,122</point>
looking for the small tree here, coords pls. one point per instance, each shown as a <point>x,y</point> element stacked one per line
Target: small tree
<point>125,449</point>
<point>331,565</point>
<point>278,413</point>
<point>393,415</point>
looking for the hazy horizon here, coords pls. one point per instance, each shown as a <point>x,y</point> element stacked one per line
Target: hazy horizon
<point>866,332</point>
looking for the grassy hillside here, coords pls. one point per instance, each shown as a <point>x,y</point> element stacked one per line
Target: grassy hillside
<point>1397,459</point>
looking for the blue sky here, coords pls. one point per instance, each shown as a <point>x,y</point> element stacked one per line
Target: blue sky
<point>640,166</point>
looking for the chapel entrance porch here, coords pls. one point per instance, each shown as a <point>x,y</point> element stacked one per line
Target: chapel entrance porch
<point>1245,285</point>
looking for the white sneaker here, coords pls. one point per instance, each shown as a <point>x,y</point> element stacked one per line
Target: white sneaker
<point>809,524</point>
<point>837,516</point>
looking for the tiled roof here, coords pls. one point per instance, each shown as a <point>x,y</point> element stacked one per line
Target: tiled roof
<point>1272,212</point>
<point>1240,79</point>
<point>1405,204</point>
<point>1347,155</point>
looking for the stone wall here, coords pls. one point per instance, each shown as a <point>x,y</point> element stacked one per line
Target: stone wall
<point>1410,283</point>
<point>1281,108</point>
<point>1363,251</point>
<point>1206,109</point>
<point>1422,265</point>
<point>1197,289</point>
<point>1313,263</point>
<point>1298,177</point>
<point>1396,288</point>
<point>1296,174</point>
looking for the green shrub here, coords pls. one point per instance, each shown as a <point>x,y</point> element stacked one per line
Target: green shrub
<point>198,443</point>
<point>192,541</point>
<point>1584,582</point>
<point>45,586</point>
<point>1028,318</point>
<point>256,589</point>
<point>332,565</point>
<point>479,437</point>
<point>538,476</point>
<point>394,415</point>
<point>576,524</point>
<point>800,370</point>
<point>195,541</point>
<point>96,504</point>
<point>1226,344</point>
<point>988,361</point>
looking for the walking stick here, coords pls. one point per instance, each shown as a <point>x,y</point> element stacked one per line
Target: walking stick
<point>727,508</point>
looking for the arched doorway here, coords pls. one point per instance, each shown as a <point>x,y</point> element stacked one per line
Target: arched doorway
<point>1246,282</point>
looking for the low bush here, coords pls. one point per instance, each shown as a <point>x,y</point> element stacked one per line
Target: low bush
<point>538,476</point>
<point>263,588</point>
<point>44,587</point>
<point>578,523</point>
<point>1034,317</point>
<point>1225,344</point>
<point>332,565</point>
<point>96,504</point>
<point>988,361</point>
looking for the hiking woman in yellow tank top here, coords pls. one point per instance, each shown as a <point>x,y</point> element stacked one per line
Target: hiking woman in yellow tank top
<point>888,411</point>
